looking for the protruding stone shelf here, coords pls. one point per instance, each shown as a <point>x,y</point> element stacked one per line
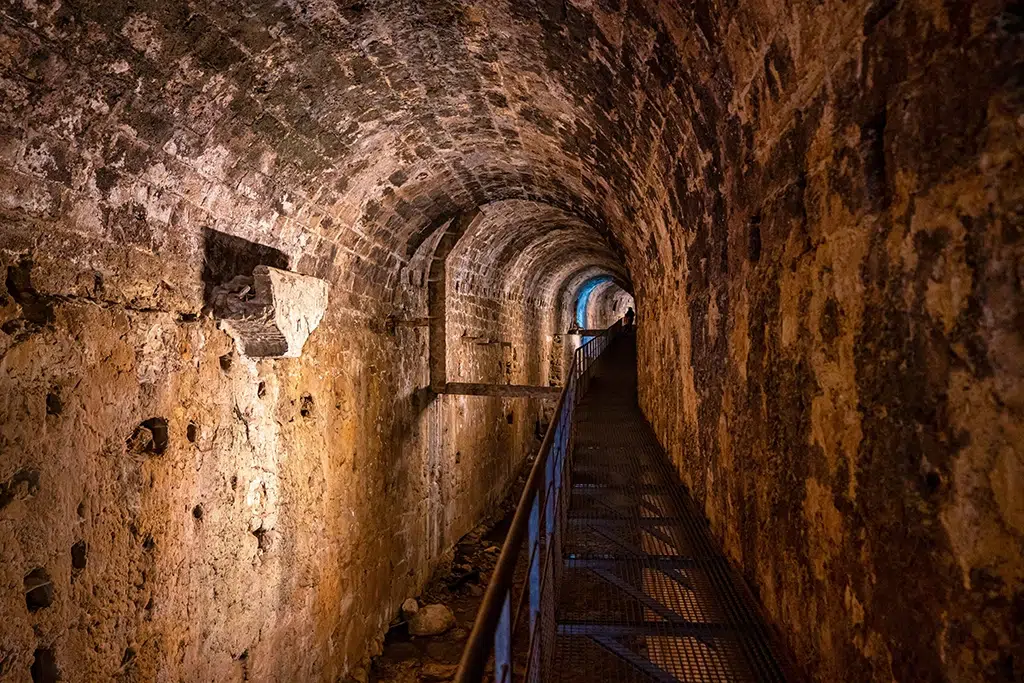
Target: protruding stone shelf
<point>275,314</point>
<point>504,390</point>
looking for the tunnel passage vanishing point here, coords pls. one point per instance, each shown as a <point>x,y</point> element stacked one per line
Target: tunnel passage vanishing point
<point>816,206</point>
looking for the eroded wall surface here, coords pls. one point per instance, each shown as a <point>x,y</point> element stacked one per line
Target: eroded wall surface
<point>837,365</point>
<point>272,530</point>
<point>816,204</point>
<point>292,506</point>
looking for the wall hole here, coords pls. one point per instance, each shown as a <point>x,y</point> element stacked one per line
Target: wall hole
<point>261,389</point>
<point>264,539</point>
<point>81,510</point>
<point>38,590</point>
<point>79,555</point>
<point>24,484</point>
<point>458,457</point>
<point>129,655</point>
<point>148,543</point>
<point>226,257</point>
<point>225,362</point>
<point>36,310</point>
<point>44,666</point>
<point>197,512</point>
<point>510,418</point>
<point>754,239</point>
<point>192,432</point>
<point>932,481</point>
<point>306,409</point>
<point>234,482</point>
<point>54,405</point>
<point>150,437</point>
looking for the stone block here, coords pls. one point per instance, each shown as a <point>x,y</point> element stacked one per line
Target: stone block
<point>271,314</point>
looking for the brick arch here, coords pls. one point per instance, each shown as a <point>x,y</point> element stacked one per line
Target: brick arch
<point>516,247</point>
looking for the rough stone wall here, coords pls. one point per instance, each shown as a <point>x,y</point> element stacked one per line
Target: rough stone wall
<point>817,205</point>
<point>295,502</point>
<point>281,487</point>
<point>608,303</point>
<point>837,365</point>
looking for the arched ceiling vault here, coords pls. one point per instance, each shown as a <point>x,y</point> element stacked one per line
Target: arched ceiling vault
<point>344,132</point>
<point>527,249</point>
<point>364,123</point>
<point>521,101</point>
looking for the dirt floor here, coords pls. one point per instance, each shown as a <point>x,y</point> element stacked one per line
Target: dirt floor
<point>460,586</point>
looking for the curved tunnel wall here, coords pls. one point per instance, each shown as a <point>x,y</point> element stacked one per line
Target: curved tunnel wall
<point>585,298</point>
<point>608,304</point>
<point>807,200</point>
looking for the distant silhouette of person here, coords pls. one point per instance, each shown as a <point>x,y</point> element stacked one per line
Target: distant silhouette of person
<point>630,315</point>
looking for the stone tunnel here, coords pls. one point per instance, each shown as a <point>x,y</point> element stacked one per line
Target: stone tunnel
<point>252,250</point>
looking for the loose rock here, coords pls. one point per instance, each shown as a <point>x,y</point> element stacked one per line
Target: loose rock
<point>431,620</point>
<point>409,608</point>
<point>434,672</point>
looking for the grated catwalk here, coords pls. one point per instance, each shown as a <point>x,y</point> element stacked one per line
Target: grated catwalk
<point>645,593</point>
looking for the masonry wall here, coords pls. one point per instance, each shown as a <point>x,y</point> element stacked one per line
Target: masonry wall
<point>283,484</point>
<point>608,304</point>
<point>494,337</point>
<point>296,502</point>
<point>837,372</point>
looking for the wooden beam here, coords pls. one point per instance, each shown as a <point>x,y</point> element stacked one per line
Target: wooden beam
<point>503,390</point>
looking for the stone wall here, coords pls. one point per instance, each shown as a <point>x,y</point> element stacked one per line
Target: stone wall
<point>816,204</point>
<point>281,485</point>
<point>608,304</point>
<point>187,511</point>
<point>838,371</point>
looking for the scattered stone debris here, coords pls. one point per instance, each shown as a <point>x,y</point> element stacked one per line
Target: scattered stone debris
<point>431,620</point>
<point>409,608</point>
<point>433,671</point>
<point>454,596</point>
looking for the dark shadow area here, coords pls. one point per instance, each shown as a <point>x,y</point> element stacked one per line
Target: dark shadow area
<point>226,257</point>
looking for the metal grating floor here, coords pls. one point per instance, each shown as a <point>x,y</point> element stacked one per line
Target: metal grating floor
<point>645,594</point>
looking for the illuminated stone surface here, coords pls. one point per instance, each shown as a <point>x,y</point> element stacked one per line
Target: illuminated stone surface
<point>816,205</point>
<point>276,314</point>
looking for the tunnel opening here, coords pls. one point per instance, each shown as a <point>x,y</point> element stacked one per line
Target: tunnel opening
<point>813,209</point>
<point>583,300</point>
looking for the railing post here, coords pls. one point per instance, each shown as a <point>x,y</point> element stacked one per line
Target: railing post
<point>503,642</point>
<point>535,557</point>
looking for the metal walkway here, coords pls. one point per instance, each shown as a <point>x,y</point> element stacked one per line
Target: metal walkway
<point>645,594</point>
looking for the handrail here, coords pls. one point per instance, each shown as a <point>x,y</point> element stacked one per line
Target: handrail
<point>541,504</point>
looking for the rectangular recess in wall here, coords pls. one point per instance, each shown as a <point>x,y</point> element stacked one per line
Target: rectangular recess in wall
<point>227,256</point>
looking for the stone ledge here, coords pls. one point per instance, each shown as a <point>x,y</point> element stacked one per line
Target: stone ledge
<point>271,314</point>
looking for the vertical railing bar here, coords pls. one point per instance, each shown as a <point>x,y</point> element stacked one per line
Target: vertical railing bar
<point>539,517</point>
<point>534,579</point>
<point>503,642</point>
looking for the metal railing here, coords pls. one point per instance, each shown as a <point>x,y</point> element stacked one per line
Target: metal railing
<point>536,527</point>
